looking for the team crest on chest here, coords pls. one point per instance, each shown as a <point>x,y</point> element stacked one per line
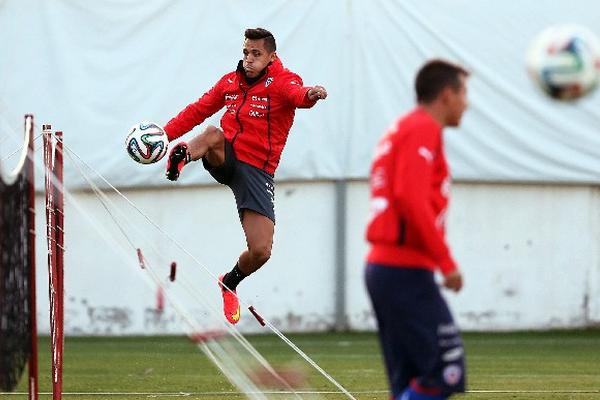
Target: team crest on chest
<point>268,81</point>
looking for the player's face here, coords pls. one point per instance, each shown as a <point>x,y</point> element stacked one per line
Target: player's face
<point>256,57</point>
<point>456,101</point>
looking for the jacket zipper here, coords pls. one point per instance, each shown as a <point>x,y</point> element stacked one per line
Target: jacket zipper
<point>237,117</point>
<point>268,131</point>
<point>402,232</point>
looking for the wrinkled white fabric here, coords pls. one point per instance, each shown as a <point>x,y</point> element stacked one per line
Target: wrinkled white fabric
<point>93,69</point>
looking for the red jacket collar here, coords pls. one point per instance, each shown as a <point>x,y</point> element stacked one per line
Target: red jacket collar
<point>274,68</point>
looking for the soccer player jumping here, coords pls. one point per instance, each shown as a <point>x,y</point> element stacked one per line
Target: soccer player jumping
<point>260,97</point>
<point>410,181</point>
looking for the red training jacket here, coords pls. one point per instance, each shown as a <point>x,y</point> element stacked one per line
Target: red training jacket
<point>258,116</point>
<point>409,196</point>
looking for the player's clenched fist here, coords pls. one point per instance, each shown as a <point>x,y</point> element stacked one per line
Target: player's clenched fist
<point>317,93</point>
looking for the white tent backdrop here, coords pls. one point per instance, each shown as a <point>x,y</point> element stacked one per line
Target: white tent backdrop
<point>93,69</point>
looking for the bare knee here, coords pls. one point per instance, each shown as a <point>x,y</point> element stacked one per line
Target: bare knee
<point>213,136</point>
<point>260,254</point>
<point>209,143</point>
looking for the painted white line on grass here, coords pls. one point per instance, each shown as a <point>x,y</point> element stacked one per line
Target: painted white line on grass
<point>187,394</point>
<point>590,391</point>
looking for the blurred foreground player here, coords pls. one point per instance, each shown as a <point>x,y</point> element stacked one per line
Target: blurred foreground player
<point>260,97</point>
<point>409,182</point>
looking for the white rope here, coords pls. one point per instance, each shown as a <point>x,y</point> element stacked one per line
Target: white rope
<point>108,204</point>
<point>102,197</point>
<point>105,200</point>
<point>17,151</point>
<point>215,278</point>
<point>231,373</point>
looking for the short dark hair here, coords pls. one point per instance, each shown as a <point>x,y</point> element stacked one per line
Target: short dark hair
<point>435,76</point>
<point>261,33</point>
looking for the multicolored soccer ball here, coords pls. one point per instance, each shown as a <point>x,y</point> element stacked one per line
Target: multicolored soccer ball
<point>564,61</point>
<point>146,142</point>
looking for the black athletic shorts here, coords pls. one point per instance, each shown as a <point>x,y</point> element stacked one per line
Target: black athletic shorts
<point>252,187</point>
<point>421,344</point>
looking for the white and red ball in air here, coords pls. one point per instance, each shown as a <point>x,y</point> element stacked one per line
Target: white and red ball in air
<point>146,142</point>
<point>564,61</point>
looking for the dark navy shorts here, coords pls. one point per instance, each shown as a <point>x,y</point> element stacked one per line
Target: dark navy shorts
<point>252,187</point>
<point>421,345</point>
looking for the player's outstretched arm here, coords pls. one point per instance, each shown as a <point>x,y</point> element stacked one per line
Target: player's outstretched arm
<point>317,93</point>
<point>196,112</point>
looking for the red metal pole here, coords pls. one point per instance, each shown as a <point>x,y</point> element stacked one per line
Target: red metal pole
<point>33,356</point>
<point>49,161</point>
<point>60,249</point>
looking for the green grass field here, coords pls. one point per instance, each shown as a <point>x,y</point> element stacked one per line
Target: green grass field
<point>529,365</point>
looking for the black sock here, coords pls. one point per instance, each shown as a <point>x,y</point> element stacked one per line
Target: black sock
<point>233,277</point>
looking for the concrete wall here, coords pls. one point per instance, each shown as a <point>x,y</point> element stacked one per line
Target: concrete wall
<point>529,254</point>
